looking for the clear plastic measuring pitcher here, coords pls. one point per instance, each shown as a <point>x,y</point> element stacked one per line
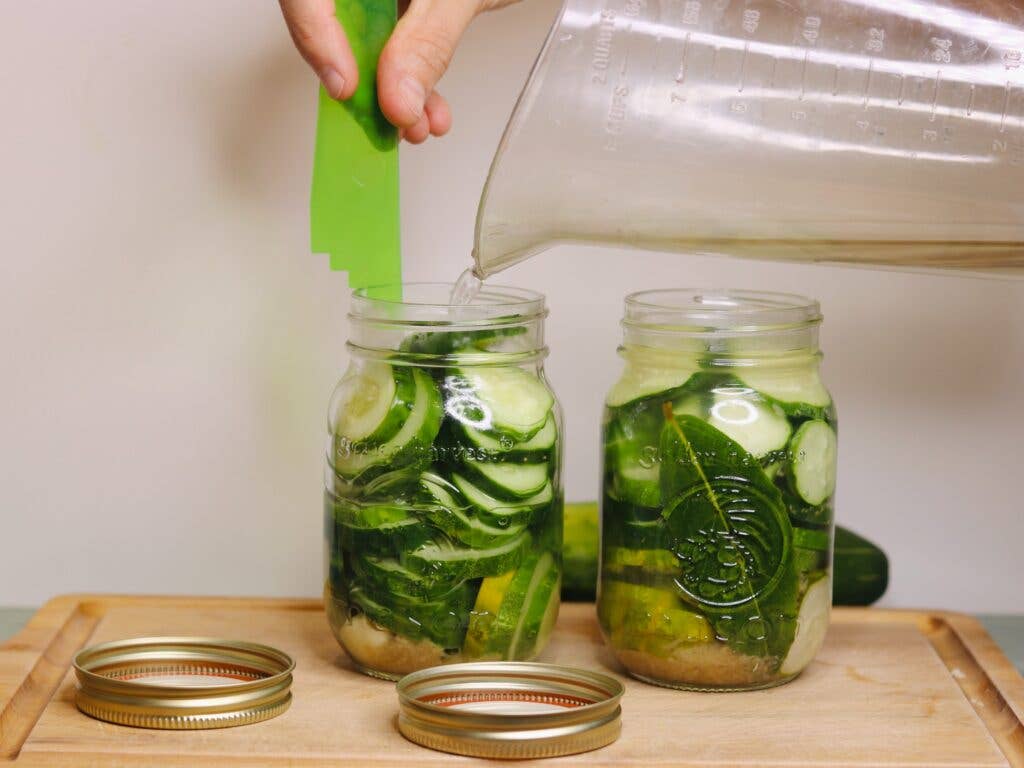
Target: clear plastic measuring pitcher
<point>885,132</point>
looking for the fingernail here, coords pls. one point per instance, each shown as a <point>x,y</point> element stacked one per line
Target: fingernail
<point>333,82</point>
<point>413,95</point>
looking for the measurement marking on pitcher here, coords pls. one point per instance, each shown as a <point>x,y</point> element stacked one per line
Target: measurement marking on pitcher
<point>835,79</point>
<point>1006,107</point>
<point>803,76</point>
<point>970,101</point>
<point>935,96</point>
<point>867,83</point>
<point>743,65</point>
<point>682,71</point>
<point>771,77</point>
<point>903,85</point>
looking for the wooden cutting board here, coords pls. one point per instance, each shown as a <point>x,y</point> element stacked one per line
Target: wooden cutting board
<point>889,688</point>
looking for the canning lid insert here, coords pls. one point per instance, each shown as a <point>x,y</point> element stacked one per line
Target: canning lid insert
<point>509,709</point>
<point>183,683</point>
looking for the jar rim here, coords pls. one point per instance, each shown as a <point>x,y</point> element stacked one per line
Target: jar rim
<point>425,302</point>
<point>719,309</point>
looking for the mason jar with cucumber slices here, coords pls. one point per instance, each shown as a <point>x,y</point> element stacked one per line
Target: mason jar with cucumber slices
<point>443,501</point>
<point>719,470</point>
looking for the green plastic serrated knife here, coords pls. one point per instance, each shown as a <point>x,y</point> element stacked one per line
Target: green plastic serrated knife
<point>354,202</point>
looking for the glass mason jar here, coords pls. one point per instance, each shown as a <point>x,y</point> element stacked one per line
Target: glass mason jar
<point>443,500</point>
<point>719,469</point>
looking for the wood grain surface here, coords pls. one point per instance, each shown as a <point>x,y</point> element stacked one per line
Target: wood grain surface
<point>890,688</point>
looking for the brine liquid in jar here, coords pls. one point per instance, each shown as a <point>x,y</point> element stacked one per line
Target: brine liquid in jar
<point>719,445</point>
<point>443,500</point>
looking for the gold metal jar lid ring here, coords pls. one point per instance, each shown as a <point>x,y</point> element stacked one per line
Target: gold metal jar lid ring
<point>510,709</point>
<point>183,682</point>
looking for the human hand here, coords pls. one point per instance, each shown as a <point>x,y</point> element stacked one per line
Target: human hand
<point>413,60</point>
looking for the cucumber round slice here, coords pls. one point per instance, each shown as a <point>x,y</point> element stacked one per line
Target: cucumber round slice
<point>409,446</point>
<point>503,513</point>
<point>813,449</point>
<point>443,561</point>
<point>510,400</point>
<point>759,427</point>
<point>631,454</point>
<point>373,403</point>
<point>509,480</point>
<point>811,627</point>
<point>505,447</point>
<point>388,576</point>
<point>811,538</point>
<point>636,484</point>
<point>449,517</point>
<point>639,381</point>
<point>789,386</point>
<point>383,529</point>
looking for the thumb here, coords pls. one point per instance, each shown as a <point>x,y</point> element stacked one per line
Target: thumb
<point>321,40</point>
<point>418,53</point>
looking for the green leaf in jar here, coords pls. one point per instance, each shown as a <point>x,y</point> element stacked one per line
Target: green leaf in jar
<point>730,530</point>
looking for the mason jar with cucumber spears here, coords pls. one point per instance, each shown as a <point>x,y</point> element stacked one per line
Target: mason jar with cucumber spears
<point>443,501</point>
<point>718,478</point>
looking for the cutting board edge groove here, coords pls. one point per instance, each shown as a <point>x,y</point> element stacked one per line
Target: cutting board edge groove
<point>26,705</point>
<point>950,636</point>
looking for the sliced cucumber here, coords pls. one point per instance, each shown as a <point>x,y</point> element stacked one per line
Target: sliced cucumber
<point>503,513</point>
<point>640,381</point>
<point>811,538</point>
<point>409,446</point>
<point>372,404</point>
<point>788,386</point>
<point>811,553</point>
<point>634,483</point>
<point>488,603</point>
<point>436,343</point>
<point>509,480</point>
<point>649,619</point>
<point>539,444</point>
<point>631,453</point>
<point>388,576</point>
<point>443,621</point>
<point>446,562</point>
<point>380,529</point>
<point>650,561</point>
<point>813,449</point>
<point>759,427</point>
<point>513,629</point>
<point>540,610</point>
<point>811,627</point>
<point>631,526</point>
<point>449,517</point>
<point>510,400</point>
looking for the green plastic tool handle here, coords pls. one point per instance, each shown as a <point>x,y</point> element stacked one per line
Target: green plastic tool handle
<point>354,200</point>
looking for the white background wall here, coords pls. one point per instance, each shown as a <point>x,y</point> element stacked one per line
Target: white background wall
<point>168,345</point>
